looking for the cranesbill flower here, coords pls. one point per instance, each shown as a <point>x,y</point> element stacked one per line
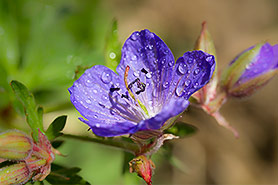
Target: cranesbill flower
<point>250,70</point>
<point>149,89</point>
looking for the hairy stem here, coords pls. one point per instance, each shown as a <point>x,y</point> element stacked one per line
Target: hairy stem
<point>122,143</point>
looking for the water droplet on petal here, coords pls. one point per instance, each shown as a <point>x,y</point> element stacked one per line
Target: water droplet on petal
<point>155,93</point>
<point>187,83</point>
<point>196,71</point>
<point>196,85</point>
<point>149,47</point>
<point>95,91</point>
<point>133,57</point>
<point>134,36</point>
<point>179,91</point>
<point>106,77</point>
<point>182,68</point>
<point>166,85</point>
<point>148,75</point>
<point>136,73</point>
<point>171,63</point>
<point>88,101</point>
<point>95,116</point>
<point>97,125</point>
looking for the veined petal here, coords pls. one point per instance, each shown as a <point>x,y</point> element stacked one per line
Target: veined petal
<point>151,61</point>
<point>173,108</point>
<point>192,71</point>
<point>98,96</point>
<point>111,128</point>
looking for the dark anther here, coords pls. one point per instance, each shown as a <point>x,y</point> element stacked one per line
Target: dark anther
<point>89,129</point>
<point>140,85</point>
<point>143,70</point>
<point>124,96</point>
<point>131,84</point>
<point>112,89</point>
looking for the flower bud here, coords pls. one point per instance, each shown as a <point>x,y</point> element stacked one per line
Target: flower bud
<point>250,70</point>
<point>30,158</point>
<point>17,173</point>
<point>143,167</point>
<point>15,145</point>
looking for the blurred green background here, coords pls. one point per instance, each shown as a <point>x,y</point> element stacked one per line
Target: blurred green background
<point>44,42</point>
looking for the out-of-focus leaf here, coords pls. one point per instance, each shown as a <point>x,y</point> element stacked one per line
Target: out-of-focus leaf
<point>181,129</point>
<point>113,47</point>
<point>30,107</point>
<point>55,127</point>
<point>62,175</point>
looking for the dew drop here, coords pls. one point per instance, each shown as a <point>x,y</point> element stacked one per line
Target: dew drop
<point>88,101</point>
<point>182,68</point>
<point>149,47</point>
<point>106,77</point>
<point>148,75</point>
<point>179,91</point>
<point>196,71</point>
<point>166,85</point>
<point>97,125</point>
<point>187,83</point>
<point>95,91</point>
<point>171,63</point>
<point>95,116</point>
<point>136,73</point>
<point>134,36</point>
<point>155,93</point>
<point>196,85</point>
<point>133,57</point>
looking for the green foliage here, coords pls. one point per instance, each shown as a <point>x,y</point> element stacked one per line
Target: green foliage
<point>113,47</point>
<point>55,128</point>
<point>62,175</point>
<point>32,113</point>
<point>182,129</point>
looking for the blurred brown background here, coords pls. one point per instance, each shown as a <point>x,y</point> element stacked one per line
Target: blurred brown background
<point>213,155</point>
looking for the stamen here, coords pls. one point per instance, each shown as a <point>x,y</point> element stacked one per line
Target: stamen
<point>112,89</point>
<point>143,70</point>
<point>124,96</point>
<point>126,83</point>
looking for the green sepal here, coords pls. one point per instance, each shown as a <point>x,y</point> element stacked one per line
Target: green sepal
<point>55,128</point>
<point>33,115</point>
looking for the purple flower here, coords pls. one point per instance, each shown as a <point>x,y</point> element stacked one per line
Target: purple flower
<point>149,89</point>
<point>250,70</point>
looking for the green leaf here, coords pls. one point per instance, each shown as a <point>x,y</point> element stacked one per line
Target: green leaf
<point>113,47</point>
<point>182,129</point>
<point>33,115</point>
<point>55,127</point>
<point>63,175</point>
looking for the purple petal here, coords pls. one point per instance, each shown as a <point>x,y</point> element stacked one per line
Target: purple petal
<point>151,61</point>
<point>170,110</point>
<point>192,71</point>
<point>265,61</point>
<point>97,95</point>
